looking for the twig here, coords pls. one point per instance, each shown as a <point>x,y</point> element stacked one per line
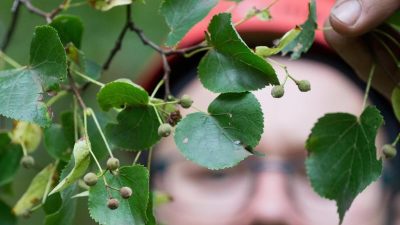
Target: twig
<point>121,36</point>
<point>11,28</point>
<point>75,90</point>
<point>167,71</point>
<point>47,16</point>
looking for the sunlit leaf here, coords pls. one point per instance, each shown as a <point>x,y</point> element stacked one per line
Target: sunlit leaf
<point>27,134</point>
<point>264,51</point>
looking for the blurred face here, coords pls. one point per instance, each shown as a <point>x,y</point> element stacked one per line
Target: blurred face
<point>273,189</point>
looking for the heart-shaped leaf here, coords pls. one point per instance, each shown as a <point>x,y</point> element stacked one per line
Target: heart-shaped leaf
<point>220,139</point>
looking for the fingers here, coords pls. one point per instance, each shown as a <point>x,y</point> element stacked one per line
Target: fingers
<point>356,17</point>
<point>360,53</point>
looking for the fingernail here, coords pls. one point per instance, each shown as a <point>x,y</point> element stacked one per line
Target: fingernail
<point>347,12</point>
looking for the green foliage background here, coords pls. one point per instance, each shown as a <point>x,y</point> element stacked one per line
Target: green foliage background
<point>97,42</point>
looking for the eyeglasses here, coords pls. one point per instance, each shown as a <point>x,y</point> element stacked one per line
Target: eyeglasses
<point>200,191</point>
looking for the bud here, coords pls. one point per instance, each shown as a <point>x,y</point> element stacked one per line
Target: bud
<point>277,91</point>
<point>125,192</point>
<point>90,179</point>
<point>164,130</point>
<point>112,163</point>
<point>389,151</point>
<point>186,101</point>
<point>27,161</point>
<point>112,203</point>
<point>304,85</point>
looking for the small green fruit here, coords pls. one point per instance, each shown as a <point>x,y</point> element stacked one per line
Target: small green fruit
<point>112,163</point>
<point>27,161</point>
<point>186,101</point>
<point>125,192</point>
<point>90,179</point>
<point>304,85</point>
<point>164,130</point>
<point>112,203</point>
<point>389,151</point>
<point>277,91</point>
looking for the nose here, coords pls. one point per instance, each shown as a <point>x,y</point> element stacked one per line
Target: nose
<point>272,203</point>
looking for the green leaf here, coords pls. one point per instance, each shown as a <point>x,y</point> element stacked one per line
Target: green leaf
<point>47,57</point>
<point>10,157</point>
<point>305,39</point>
<point>121,93</point>
<point>231,66</point>
<point>56,144</point>
<point>137,128</point>
<point>131,211</point>
<point>183,15</point>
<point>105,5</point>
<point>219,140</point>
<point>67,123</point>
<point>81,161</point>
<point>396,102</point>
<point>6,215</point>
<point>264,51</point>
<point>35,192</point>
<point>69,28</point>
<point>47,68</point>
<point>342,159</point>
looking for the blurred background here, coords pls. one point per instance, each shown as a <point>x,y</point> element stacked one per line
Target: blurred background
<point>101,32</point>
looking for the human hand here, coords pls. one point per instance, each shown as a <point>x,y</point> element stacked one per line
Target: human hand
<point>354,39</point>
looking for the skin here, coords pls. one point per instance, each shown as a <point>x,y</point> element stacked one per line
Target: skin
<point>347,37</point>
<point>275,198</point>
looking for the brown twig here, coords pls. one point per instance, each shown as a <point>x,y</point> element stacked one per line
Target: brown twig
<point>47,16</point>
<point>15,15</point>
<point>75,90</point>
<point>121,36</point>
<point>164,53</point>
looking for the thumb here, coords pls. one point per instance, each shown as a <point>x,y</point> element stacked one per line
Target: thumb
<point>356,17</point>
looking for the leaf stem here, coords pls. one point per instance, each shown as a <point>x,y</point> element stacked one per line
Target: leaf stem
<point>49,182</point>
<point>149,159</point>
<point>136,158</point>
<point>371,74</point>
<point>190,54</point>
<point>76,119</point>
<point>158,115</point>
<point>164,103</point>
<point>91,113</point>
<point>397,140</point>
<point>54,99</point>
<point>90,145</point>
<point>9,60</point>
<point>160,83</point>
<point>86,77</point>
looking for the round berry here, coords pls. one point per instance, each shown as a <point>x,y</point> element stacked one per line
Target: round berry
<point>277,91</point>
<point>164,130</point>
<point>186,101</point>
<point>304,85</point>
<point>389,151</point>
<point>125,192</point>
<point>112,163</point>
<point>90,179</point>
<point>27,161</point>
<point>112,203</point>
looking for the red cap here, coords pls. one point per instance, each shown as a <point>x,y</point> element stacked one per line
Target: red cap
<point>286,14</point>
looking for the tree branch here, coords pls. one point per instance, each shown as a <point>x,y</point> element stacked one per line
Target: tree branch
<point>75,90</point>
<point>10,31</point>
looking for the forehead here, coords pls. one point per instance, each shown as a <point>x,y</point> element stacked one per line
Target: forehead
<point>288,120</point>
